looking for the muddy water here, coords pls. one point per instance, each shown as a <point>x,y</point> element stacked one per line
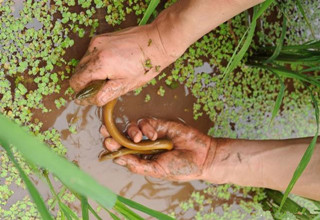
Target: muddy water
<point>85,146</point>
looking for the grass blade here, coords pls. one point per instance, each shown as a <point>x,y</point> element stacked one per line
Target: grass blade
<point>291,206</point>
<point>126,212</point>
<point>307,155</point>
<point>282,71</point>
<point>262,8</point>
<point>279,99</point>
<point>84,208</point>
<point>151,7</point>
<point>144,209</point>
<point>38,153</point>
<point>113,216</point>
<point>311,69</point>
<point>35,195</point>
<point>94,212</point>
<point>279,43</point>
<point>237,56</point>
<point>66,211</point>
<point>305,18</point>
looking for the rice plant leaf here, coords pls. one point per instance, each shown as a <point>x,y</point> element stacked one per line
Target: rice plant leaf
<point>279,99</point>
<point>113,216</point>
<point>311,69</point>
<point>144,209</point>
<point>262,8</point>
<point>84,208</point>
<point>300,7</point>
<point>126,212</point>
<point>68,212</point>
<point>290,205</point>
<point>38,153</point>
<point>235,51</point>
<point>248,36</point>
<point>35,195</point>
<point>151,7</point>
<point>237,57</point>
<point>94,212</point>
<point>291,74</point>
<point>307,155</point>
<point>65,210</point>
<point>279,42</point>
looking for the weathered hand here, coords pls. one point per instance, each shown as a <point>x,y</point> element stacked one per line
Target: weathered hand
<point>187,161</point>
<point>128,59</point>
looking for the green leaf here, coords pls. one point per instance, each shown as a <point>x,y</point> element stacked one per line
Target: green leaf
<point>38,153</point>
<point>84,208</point>
<point>279,98</point>
<point>279,42</point>
<point>248,35</point>
<point>262,8</point>
<point>113,216</point>
<point>143,208</point>
<point>305,18</point>
<point>233,63</point>
<point>66,211</point>
<point>126,212</point>
<point>35,195</point>
<point>306,156</point>
<point>151,7</point>
<point>94,213</point>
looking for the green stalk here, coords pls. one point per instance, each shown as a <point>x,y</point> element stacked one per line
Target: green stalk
<point>35,195</point>
<point>248,36</point>
<point>307,155</point>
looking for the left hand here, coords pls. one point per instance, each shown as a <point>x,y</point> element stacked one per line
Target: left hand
<point>187,161</point>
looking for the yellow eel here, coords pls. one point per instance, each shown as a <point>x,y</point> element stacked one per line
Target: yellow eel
<point>129,147</point>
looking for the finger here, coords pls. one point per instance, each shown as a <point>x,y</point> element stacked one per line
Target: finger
<point>111,145</point>
<point>104,132</point>
<point>140,166</point>
<point>169,129</point>
<point>147,129</point>
<point>134,132</point>
<point>88,71</point>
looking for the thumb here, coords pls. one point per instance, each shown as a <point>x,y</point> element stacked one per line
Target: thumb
<point>140,166</point>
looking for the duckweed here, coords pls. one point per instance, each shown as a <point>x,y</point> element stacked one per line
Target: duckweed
<point>35,38</point>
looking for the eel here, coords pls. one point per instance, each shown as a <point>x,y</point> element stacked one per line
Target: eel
<point>129,147</point>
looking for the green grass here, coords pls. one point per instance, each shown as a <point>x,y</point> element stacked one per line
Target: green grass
<point>38,154</point>
<point>307,55</point>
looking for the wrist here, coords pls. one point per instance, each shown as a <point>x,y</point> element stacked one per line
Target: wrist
<point>213,170</point>
<point>237,162</point>
<point>171,34</point>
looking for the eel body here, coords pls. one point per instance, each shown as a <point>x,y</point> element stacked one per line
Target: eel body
<point>129,147</point>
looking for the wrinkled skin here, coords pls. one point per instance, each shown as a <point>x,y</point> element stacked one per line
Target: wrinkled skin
<point>128,59</point>
<point>187,161</point>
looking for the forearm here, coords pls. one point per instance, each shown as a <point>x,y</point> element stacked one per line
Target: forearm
<point>188,20</point>
<point>268,164</point>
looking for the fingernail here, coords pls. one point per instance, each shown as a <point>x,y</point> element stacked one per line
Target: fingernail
<point>151,135</point>
<point>133,134</point>
<point>120,161</point>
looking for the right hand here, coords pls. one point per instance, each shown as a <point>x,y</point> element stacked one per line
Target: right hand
<point>128,59</point>
<point>188,160</point>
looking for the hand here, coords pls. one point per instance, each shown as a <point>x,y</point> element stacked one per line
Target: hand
<point>187,161</point>
<point>128,59</point>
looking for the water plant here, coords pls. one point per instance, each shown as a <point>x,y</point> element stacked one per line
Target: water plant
<point>35,67</point>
